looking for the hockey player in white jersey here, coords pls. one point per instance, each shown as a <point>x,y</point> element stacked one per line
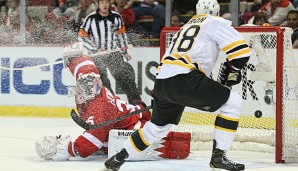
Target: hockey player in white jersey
<point>184,80</point>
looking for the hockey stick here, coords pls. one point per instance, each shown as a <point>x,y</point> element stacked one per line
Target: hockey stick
<point>129,46</point>
<point>107,52</point>
<point>87,126</point>
<point>72,51</point>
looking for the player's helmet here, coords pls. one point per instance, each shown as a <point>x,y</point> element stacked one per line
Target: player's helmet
<point>210,7</point>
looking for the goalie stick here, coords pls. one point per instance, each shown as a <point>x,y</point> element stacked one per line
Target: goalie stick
<point>107,52</point>
<point>87,126</point>
<point>129,46</point>
<point>72,51</point>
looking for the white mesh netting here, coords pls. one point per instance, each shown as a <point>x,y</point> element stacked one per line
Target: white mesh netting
<point>260,91</point>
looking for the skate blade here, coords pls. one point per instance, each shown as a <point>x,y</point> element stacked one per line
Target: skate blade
<point>216,169</point>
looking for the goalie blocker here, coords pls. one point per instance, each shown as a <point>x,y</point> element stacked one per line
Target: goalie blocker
<point>175,146</point>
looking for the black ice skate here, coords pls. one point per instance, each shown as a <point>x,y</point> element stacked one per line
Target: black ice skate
<point>114,163</point>
<point>220,161</point>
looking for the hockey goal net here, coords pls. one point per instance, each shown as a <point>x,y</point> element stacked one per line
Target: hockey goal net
<point>269,88</point>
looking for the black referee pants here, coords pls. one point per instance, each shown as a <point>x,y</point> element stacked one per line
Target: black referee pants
<point>122,72</point>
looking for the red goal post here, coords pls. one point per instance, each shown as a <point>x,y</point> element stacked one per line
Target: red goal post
<point>278,126</point>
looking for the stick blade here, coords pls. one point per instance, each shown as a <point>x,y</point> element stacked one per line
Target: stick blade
<point>78,120</point>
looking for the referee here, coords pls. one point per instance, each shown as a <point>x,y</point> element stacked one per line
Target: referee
<point>104,30</point>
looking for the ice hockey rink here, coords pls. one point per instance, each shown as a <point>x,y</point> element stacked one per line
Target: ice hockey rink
<point>17,152</point>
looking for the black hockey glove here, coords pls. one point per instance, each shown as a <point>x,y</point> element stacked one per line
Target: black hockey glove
<point>228,76</point>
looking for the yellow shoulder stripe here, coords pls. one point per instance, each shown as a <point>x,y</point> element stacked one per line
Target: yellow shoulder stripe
<point>230,46</point>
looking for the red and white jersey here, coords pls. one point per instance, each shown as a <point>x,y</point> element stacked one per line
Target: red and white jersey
<point>105,107</point>
<point>197,44</point>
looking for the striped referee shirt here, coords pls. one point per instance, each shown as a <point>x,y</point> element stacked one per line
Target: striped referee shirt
<point>99,32</point>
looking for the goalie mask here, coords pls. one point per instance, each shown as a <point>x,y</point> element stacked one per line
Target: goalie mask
<point>210,7</point>
<point>88,79</point>
<point>89,85</point>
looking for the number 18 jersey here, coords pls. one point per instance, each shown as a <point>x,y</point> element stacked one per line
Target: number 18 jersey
<point>197,44</point>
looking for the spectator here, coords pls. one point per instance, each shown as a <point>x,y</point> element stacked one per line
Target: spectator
<point>176,20</point>
<point>277,11</point>
<point>36,30</point>
<point>125,11</point>
<point>52,29</point>
<point>256,6</point>
<point>260,18</point>
<point>85,7</point>
<point>149,7</point>
<point>3,15</point>
<point>55,31</point>
<point>16,36</point>
<point>64,11</point>
<point>13,10</point>
<point>292,22</point>
<point>128,16</point>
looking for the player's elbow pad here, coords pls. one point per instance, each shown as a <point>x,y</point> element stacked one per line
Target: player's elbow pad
<point>238,64</point>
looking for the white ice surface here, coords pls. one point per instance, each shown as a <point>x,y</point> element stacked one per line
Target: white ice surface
<point>17,152</point>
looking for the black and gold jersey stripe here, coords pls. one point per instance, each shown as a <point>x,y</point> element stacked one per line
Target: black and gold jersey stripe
<point>237,53</point>
<point>183,61</point>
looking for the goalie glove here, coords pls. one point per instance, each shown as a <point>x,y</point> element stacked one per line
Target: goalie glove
<point>228,76</point>
<point>57,148</point>
<point>71,51</point>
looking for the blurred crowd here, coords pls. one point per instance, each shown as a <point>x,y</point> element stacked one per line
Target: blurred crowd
<point>57,21</point>
<point>282,13</point>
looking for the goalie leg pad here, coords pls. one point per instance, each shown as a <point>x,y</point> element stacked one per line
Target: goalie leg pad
<point>176,145</point>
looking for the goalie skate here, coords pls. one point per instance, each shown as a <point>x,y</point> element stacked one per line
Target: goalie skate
<point>115,162</point>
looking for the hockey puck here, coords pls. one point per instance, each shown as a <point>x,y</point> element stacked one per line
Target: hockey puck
<point>258,113</point>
